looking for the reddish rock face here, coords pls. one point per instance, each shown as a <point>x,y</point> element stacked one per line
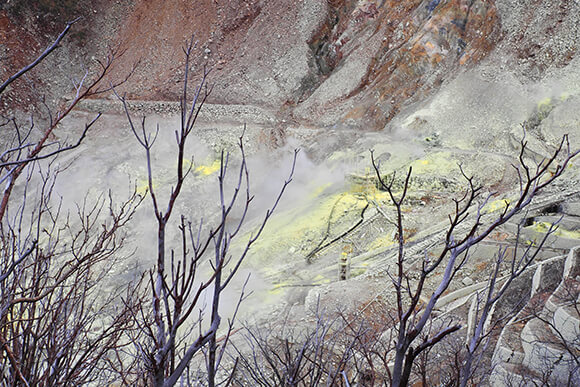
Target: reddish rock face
<point>15,44</point>
<point>415,45</point>
<point>156,31</point>
<point>437,39</point>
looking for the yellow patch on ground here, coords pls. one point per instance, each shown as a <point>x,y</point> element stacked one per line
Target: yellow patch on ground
<point>290,228</point>
<point>277,288</point>
<point>543,227</point>
<point>496,205</point>
<point>319,190</point>
<point>381,197</point>
<point>369,190</point>
<point>545,104</point>
<point>436,163</point>
<point>142,186</point>
<point>320,279</point>
<point>355,272</point>
<point>208,169</point>
<point>384,240</point>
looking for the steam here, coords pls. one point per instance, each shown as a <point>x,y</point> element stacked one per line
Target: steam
<point>112,159</point>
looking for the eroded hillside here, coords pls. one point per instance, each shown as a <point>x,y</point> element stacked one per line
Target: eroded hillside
<point>315,63</point>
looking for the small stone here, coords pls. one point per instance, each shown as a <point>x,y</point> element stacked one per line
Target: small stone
<point>467,281</point>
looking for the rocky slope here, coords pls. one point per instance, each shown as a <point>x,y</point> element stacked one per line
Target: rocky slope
<point>311,62</point>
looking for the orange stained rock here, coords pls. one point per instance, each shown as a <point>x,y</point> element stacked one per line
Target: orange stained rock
<point>453,35</point>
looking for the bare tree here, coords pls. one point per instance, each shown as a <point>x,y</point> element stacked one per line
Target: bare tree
<point>373,345</point>
<point>464,232</point>
<point>291,355</point>
<point>56,328</point>
<point>177,286</point>
<point>30,144</point>
<point>517,259</point>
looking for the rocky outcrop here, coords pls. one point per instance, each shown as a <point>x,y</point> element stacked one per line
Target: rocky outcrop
<point>541,343</point>
<point>394,53</point>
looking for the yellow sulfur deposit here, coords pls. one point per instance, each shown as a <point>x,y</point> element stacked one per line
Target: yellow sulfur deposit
<point>142,186</point>
<point>440,162</point>
<point>320,279</point>
<point>496,205</point>
<point>277,288</point>
<point>385,240</point>
<point>546,103</point>
<point>543,227</point>
<point>208,169</point>
<point>319,190</point>
<point>294,227</point>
